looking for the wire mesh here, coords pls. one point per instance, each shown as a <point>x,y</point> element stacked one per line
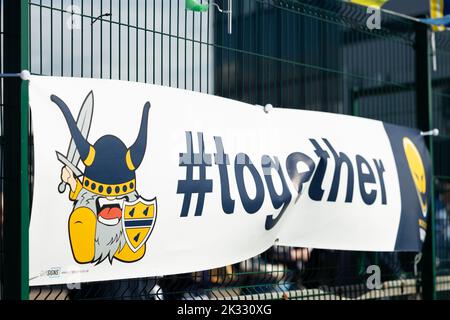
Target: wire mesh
<point>1,150</point>
<point>441,120</point>
<point>314,55</point>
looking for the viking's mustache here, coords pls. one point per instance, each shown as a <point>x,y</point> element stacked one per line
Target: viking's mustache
<point>102,202</point>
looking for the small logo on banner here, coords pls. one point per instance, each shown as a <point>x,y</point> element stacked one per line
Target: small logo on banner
<point>418,174</point>
<point>109,219</point>
<point>54,272</point>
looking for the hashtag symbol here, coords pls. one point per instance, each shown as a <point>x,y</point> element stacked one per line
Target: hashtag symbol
<point>190,186</point>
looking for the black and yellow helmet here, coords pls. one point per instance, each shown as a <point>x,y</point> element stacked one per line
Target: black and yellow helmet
<point>109,165</point>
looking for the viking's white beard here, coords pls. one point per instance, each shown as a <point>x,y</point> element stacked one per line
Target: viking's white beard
<point>108,239</point>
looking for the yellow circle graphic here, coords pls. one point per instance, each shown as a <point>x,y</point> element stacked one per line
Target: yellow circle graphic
<point>417,170</point>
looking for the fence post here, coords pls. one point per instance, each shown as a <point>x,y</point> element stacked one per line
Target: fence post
<point>424,122</point>
<point>16,182</point>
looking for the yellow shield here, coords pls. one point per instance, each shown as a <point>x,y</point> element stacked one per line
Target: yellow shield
<point>138,221</point>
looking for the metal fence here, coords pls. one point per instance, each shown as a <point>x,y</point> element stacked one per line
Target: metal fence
<point>441,120</point>
<point>315,55</point>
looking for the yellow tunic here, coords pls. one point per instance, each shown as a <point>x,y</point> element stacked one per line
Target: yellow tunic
<point>82,227</point>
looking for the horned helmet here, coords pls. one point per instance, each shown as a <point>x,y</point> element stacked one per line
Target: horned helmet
<point>109,165</point>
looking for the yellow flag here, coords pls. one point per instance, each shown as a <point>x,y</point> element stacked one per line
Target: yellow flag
<point>370,3</point>
<point>437,11</point>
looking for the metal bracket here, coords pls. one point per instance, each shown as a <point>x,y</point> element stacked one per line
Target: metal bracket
<point>107,14</point>
<point>197,6</point>
<point>229,12</point>
<point>24,75</point>
<point>434,132</point>
<point>219,8</point>
<point>267,108</point>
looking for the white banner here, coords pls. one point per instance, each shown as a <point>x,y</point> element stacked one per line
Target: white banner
<point>163,181</point>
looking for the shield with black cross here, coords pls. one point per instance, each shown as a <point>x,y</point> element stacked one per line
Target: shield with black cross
<point>138,221</point>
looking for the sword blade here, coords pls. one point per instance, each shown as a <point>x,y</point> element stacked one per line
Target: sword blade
<point>84,124</point>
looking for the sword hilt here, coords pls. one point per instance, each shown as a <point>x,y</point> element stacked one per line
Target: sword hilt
<point>62,187</point>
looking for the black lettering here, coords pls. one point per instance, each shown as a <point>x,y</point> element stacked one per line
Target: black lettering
<point>315,189</point>
<point>380,170</point>
<point>340,159</point>
<point>364,179</point>
<point>250,205</point>
<point>221,159</point>
<point>278,200</point>
<point>299,178</point>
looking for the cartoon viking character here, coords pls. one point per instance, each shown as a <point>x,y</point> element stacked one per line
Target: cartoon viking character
<point>109,218</point>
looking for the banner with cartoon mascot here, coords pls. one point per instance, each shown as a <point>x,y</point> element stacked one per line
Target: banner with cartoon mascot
<point>134,180</point>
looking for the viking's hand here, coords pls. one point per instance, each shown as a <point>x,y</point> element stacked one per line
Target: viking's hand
<point>67,177</point>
